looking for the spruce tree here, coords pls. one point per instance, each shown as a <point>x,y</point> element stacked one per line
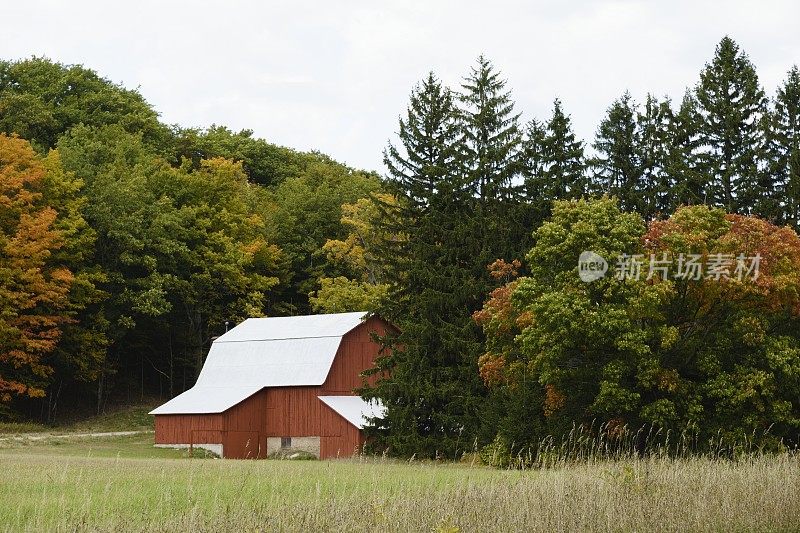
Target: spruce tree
<point>429,152</point>
<point>689,186</point>
<point>535,193</point>
<point>492,156</point>
<point>731,106</point>
<point>429,383</point>
<point>784,148</point>
<point>616,167</point>
<point>653,125</point>
<point>563,158</point>
<point>492,137</point>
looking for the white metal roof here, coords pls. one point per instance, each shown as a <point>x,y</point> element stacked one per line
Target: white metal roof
<point>354,409</point>
<point>264,352</point>
<point>293,327</point>
<point>203,400</point>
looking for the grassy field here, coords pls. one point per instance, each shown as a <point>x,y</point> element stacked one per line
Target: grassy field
<point>131,418</point>
<point>123,484</point>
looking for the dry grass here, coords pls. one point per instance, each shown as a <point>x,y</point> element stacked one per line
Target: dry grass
<point>56,492</point>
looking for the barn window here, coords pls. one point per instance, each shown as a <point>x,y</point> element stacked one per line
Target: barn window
<point>286,442</point>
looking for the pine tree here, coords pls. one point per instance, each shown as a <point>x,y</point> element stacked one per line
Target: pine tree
<point>731,106</point>
<point>616,168</point>
<point>535,192</point>
<point>563,158</point>
<point>428,135</point>
<point>653,126</point>
<point>784,148</point>
<point>492,157</point>
<point>492,137</point>
<point>430,384</point>
<point>688,184</point>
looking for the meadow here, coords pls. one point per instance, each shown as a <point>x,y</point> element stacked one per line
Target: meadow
<point>123,484</point>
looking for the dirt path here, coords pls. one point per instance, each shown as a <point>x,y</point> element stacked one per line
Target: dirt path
<point>43,436</point>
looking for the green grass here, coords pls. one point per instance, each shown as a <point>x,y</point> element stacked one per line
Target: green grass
<point>134,418</point>
<point>138,446</point>
<point>22,427</point>
<point>131,418</point>
<point>123,484</point>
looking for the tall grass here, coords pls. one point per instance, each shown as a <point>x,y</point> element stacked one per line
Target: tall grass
<point>604,442</point>
<point>631,493</point>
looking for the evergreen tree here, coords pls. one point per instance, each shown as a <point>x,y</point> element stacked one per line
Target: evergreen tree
<point>492,157</point>
<point>563,158</point>
<point>429,384</point>
<point>617,164</point>
<point>731,106</point>
<point>492,137</point>
<point>784,147</point>
<point>654,124</point>
<point>535,192</point>
<point>429,151</point>
<point>687,182</point>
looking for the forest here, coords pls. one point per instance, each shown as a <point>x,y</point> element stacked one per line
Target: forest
<point>128,244</point>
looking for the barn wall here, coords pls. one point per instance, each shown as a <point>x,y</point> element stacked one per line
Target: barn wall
<point>240,429</point>
<point>339,438</point>
<point>179,429</point>
<point>247,415</point>
<point>292,412</point>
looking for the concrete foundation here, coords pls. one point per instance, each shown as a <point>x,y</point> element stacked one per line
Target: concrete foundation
<point>299,444</point>
<point>213,448</point>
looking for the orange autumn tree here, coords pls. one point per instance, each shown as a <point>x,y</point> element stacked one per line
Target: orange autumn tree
<point>33,290</point>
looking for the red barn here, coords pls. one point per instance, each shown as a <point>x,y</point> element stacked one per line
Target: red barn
<point>278,385</point>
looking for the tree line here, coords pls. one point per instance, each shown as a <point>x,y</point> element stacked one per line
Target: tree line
<point>546,353</point>
<point>128,244</point>
<point>150,238</point>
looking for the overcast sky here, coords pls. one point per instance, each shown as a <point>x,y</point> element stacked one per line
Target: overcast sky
<point>334,76</point>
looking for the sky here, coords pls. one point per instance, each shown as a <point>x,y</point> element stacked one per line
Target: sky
<point>335,75</point>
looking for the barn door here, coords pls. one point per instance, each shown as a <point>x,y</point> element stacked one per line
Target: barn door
<point>242,445</point>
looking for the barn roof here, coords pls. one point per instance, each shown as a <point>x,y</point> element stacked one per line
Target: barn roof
<point>354,409</point>
<point>264,352</point>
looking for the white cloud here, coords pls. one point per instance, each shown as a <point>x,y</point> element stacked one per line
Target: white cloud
<point>335,75</point>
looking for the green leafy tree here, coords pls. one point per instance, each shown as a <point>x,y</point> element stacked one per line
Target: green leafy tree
<point>304,213</point>
<point>710,356</point>
<point>41,99</point>
<point>364,284</point>
<point>264,163</point>
<point>183,250</point>
<point>78,357</point>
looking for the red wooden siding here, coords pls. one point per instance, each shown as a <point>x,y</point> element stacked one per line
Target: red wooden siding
<point>285,411</point>
<point>339,437</point>
<point>189,429</point>
<point>356,353</point>
<point>293,412</point>
<point>177,429</point>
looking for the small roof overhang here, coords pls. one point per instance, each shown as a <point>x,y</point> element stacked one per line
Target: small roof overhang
<point>354,409</point>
